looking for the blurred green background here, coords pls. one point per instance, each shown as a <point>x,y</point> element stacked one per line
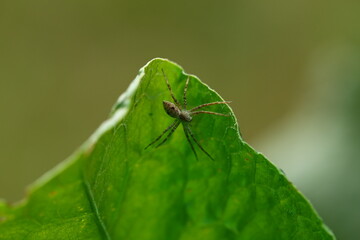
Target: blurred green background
<point>291,68</point>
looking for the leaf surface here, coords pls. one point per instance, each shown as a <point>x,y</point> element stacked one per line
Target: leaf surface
<point>112,188</point>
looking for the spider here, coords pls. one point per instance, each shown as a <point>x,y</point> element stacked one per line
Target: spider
<point>183,116</point>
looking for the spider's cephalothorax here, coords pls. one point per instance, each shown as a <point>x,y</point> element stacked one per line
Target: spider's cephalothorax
<point>184,116</point>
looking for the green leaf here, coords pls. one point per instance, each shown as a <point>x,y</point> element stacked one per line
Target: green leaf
<point>112,188</point>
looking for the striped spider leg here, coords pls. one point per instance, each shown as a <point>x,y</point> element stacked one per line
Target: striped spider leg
<point>184,117</point>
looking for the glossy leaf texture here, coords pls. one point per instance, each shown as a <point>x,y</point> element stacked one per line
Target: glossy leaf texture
<point>112,188</point>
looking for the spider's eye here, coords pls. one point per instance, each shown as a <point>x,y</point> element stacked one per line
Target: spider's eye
<point>172,108</point>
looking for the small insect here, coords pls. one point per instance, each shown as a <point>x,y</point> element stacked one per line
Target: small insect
<point>183,116</point>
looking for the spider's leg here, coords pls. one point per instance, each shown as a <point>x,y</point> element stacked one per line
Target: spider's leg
<point>167,129</point>
<point>169,87</point>
<point>170,133</point>
<point>191,145</point>
<point>207,112</point>
<point>202,149</point>
<point>208,104</point>
<point>185,90</point>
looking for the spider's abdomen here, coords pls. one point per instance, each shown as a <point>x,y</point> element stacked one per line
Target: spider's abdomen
<point>171,109</point>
